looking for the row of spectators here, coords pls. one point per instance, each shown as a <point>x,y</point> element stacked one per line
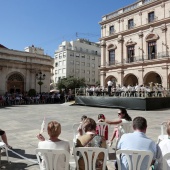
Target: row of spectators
<point>9,99</point>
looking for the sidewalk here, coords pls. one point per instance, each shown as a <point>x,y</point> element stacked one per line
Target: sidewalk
<point>23,122</point>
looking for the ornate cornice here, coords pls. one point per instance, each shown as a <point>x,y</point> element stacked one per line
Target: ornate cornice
<point>112,46</point>
<point>120,39</point>
<point>163,28</point>
<point>130,42</point>
<point>103,43</point>
<point>140,34</point>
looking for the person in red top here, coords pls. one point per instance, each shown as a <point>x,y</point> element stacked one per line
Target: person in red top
<point>101,118</point>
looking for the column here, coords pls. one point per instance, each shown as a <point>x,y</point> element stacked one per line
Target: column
<point>102,78</point>
<point>141,51</point>
<point>140,73</point>
<point>121,40</point>
<point>120,77</point>
<point>103,53</point>
<point>165,79</point>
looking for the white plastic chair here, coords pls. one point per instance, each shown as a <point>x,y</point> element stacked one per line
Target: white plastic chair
<point>134,158</point>
<point>125,128</point>
<point>101,127</point>
<point>166,158</point>
<point>162,136</point>
<point>75,132</point>
<point>3,146</point>
<point>122,129</point>
<point>50,157</point>
<point>90,155</point>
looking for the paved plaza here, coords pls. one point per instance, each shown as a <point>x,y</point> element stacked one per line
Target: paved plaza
<point>23,122</point>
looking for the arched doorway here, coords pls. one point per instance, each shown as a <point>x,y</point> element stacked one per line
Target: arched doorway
<point>152,77</point>
<point>15,83</point>
<point>112,78</point>
<point>130,79</point>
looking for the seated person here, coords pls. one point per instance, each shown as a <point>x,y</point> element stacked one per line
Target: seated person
<point>123,118</point>
<point>4,138</point>
<point>90,139</point>
<point>80,128</point>
<point>137,141</point>
<point>54,130</point>
<point>101,118</point>
<point>163,148</point>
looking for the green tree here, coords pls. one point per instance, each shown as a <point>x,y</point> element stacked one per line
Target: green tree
<point>31,92</point>
<point>71,83</point>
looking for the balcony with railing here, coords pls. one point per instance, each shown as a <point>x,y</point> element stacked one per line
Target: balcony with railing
<point>148,1</point>
<point>112,32</point>
<point>151,20</point>
<point>135,59</point>
<point>130,60</point>
<point>128,27</point>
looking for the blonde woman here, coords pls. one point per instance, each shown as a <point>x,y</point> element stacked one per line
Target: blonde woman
<point>54,130</point>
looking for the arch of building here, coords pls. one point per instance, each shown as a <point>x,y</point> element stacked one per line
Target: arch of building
<point>152,77</point>
<point>15,82</point>
<point>112,78</point>
<point>130,79</point>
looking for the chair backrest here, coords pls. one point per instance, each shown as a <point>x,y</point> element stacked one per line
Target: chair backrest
<point>122,129</point>
<point>50,158</point>
<point>125,128</point>
<point>134,158</point>
<point>102,129</point>
<point>166,158</point>
<point>163,127</point>
<point>75,132</point>
<point>90,155</point>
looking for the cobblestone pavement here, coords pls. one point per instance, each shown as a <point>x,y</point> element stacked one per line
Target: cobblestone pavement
<point>22,123</point>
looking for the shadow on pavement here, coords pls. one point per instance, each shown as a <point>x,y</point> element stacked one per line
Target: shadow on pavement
<point>15,165</point>
<point>22,153</point>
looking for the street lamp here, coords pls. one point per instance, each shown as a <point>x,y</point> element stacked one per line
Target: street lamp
<point>40,77</point>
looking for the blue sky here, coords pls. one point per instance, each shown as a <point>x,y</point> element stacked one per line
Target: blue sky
<point>46,23</point>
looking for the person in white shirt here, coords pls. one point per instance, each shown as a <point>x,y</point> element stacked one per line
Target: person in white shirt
<point>110,84</point>
<point>163,148</point>
<point>54,130</point>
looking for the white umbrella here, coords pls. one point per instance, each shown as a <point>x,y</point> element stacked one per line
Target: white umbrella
<point>54,90</point>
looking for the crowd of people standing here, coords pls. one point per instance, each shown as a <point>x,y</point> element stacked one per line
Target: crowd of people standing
<point>9,99</point>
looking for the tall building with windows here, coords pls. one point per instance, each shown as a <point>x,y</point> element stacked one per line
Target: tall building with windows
<point>79,58</point>
<point>135,42</point>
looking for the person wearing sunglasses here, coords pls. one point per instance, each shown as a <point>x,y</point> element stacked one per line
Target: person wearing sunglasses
<point>123,117</point>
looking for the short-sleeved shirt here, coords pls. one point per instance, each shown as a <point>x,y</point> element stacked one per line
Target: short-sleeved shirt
<point>109,83</point>
<point>163,148</point>
<point>136,141</point>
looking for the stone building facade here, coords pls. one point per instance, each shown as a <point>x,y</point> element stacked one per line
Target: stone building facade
<point>135,42</point>
<point>18,70</point>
